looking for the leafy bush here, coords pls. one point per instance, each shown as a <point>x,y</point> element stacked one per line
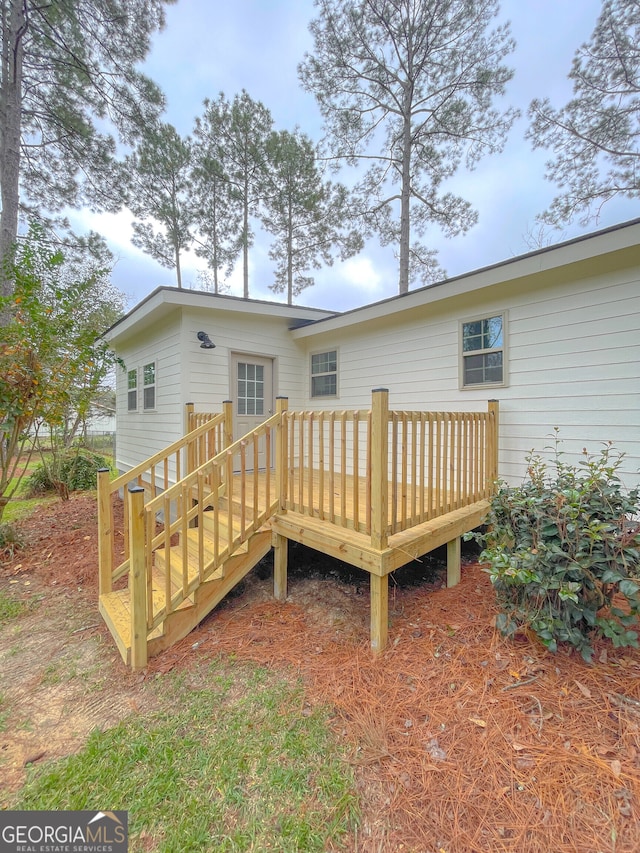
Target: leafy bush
<point>75,471</point>
<point>561,546</point>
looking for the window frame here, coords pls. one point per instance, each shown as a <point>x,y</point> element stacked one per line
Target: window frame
<point>151,385</point>
<point>246,398</point>
<point>132,374</point>
<point>323,373</point>
<point>503,348</point>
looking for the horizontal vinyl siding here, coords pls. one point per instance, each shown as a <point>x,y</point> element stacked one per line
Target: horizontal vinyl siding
<point>208,377</point>
<point>573,361</point>
<point>142,433</point>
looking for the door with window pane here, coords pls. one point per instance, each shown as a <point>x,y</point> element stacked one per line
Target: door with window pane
<point>252,381</point>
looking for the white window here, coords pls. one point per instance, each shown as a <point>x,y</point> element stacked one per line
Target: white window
<point>324,374</point>
<point>483,351</point>
<point>132,390</point>
<point>149,385</point>
<point>250,389</point>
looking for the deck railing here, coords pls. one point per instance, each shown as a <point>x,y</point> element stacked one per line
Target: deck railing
<point>329,466</point>
<point>154,476</point>
<point>438,462</point>
<point>380,472</point>
<point>214,509</point>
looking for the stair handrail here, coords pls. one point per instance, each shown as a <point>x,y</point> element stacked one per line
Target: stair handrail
<point>108,573</point>
<point>191,497</point>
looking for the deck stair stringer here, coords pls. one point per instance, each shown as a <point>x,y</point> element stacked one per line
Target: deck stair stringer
<point>203,595</point>
<point>210,593</point>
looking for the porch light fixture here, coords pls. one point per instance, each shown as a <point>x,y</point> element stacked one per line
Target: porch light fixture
<point>207,343</point>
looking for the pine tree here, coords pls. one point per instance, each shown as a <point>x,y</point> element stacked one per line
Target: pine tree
<point>406,88</point>
<point>595,137</point>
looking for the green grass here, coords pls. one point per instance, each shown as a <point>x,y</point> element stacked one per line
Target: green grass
<point>19,508</point>
<point>234,765</point>
<point>10,608</point>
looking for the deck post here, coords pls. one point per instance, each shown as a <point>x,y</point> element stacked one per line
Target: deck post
<point>282,464</point>
<point>453,561</point>
<point>188,411</point>
<point>137,578</point>
<point>379,467</point>
<point>379,590</point>
<point>227,410</point>
<point>280,557</point>
<point>494,409</point>
<point>189,451</point>
<point>105,533</point>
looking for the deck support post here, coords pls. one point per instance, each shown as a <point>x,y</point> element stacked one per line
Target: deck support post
<point>137,578</point>
<point>379,467</point>
<point>105,533</point>
<point>280,560</point>
<point>453,561</point>
<point>379,586</point>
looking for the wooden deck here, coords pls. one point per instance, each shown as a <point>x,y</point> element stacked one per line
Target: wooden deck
<point>375,489</point>
<point>323,530</point>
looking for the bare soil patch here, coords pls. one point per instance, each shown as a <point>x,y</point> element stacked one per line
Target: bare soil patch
<point>461,741</point>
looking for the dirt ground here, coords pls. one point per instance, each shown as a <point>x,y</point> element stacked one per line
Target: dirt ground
<point>461,741</point>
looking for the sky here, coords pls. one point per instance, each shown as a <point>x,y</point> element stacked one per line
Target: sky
<point>209,46</point>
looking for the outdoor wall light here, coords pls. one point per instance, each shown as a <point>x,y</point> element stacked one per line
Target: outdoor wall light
<point>207,343</point>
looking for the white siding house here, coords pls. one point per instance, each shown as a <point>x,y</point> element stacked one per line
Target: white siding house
<point>554,335</point>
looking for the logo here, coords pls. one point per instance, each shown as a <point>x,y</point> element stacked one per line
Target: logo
<point>63,832</point>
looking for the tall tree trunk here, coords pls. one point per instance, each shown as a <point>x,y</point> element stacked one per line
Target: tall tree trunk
<point>178,269</point>
<point>405,197</point>
<point>14,26</point>
<point>290,256</point>
<point>245,240</point>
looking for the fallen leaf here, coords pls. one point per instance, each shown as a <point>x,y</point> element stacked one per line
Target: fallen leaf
<point>514,674</point>
<point>518,746</point>
<point>478,722</point>
<point>582,688</point>
<point>616,767</point>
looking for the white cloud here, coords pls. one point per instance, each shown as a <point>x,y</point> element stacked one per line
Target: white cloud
<point>360,273</point>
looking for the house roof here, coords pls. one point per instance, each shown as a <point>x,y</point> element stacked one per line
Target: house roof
<point>165,300</point>
<point>588,254</point>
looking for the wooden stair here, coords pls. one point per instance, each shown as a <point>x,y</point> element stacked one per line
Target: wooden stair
<point>203,595</point>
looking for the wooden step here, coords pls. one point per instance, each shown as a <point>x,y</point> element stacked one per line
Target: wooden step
<point>177,564</point>
<point>115,608</point>
<point>209,594</point>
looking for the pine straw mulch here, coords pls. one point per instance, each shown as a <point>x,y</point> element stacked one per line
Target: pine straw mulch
<point>461,741</point>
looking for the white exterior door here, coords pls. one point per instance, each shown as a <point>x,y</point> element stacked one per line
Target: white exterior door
<point>252,383</point>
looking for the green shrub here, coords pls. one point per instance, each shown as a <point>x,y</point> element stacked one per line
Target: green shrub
<point>76,470</point>
<point>560,546</point>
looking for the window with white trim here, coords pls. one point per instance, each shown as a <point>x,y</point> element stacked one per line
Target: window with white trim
<point>324,374</point>
<point>250,389</point>
<point>132,390</point>
<point>149,386</point>
<point>483,351</point>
